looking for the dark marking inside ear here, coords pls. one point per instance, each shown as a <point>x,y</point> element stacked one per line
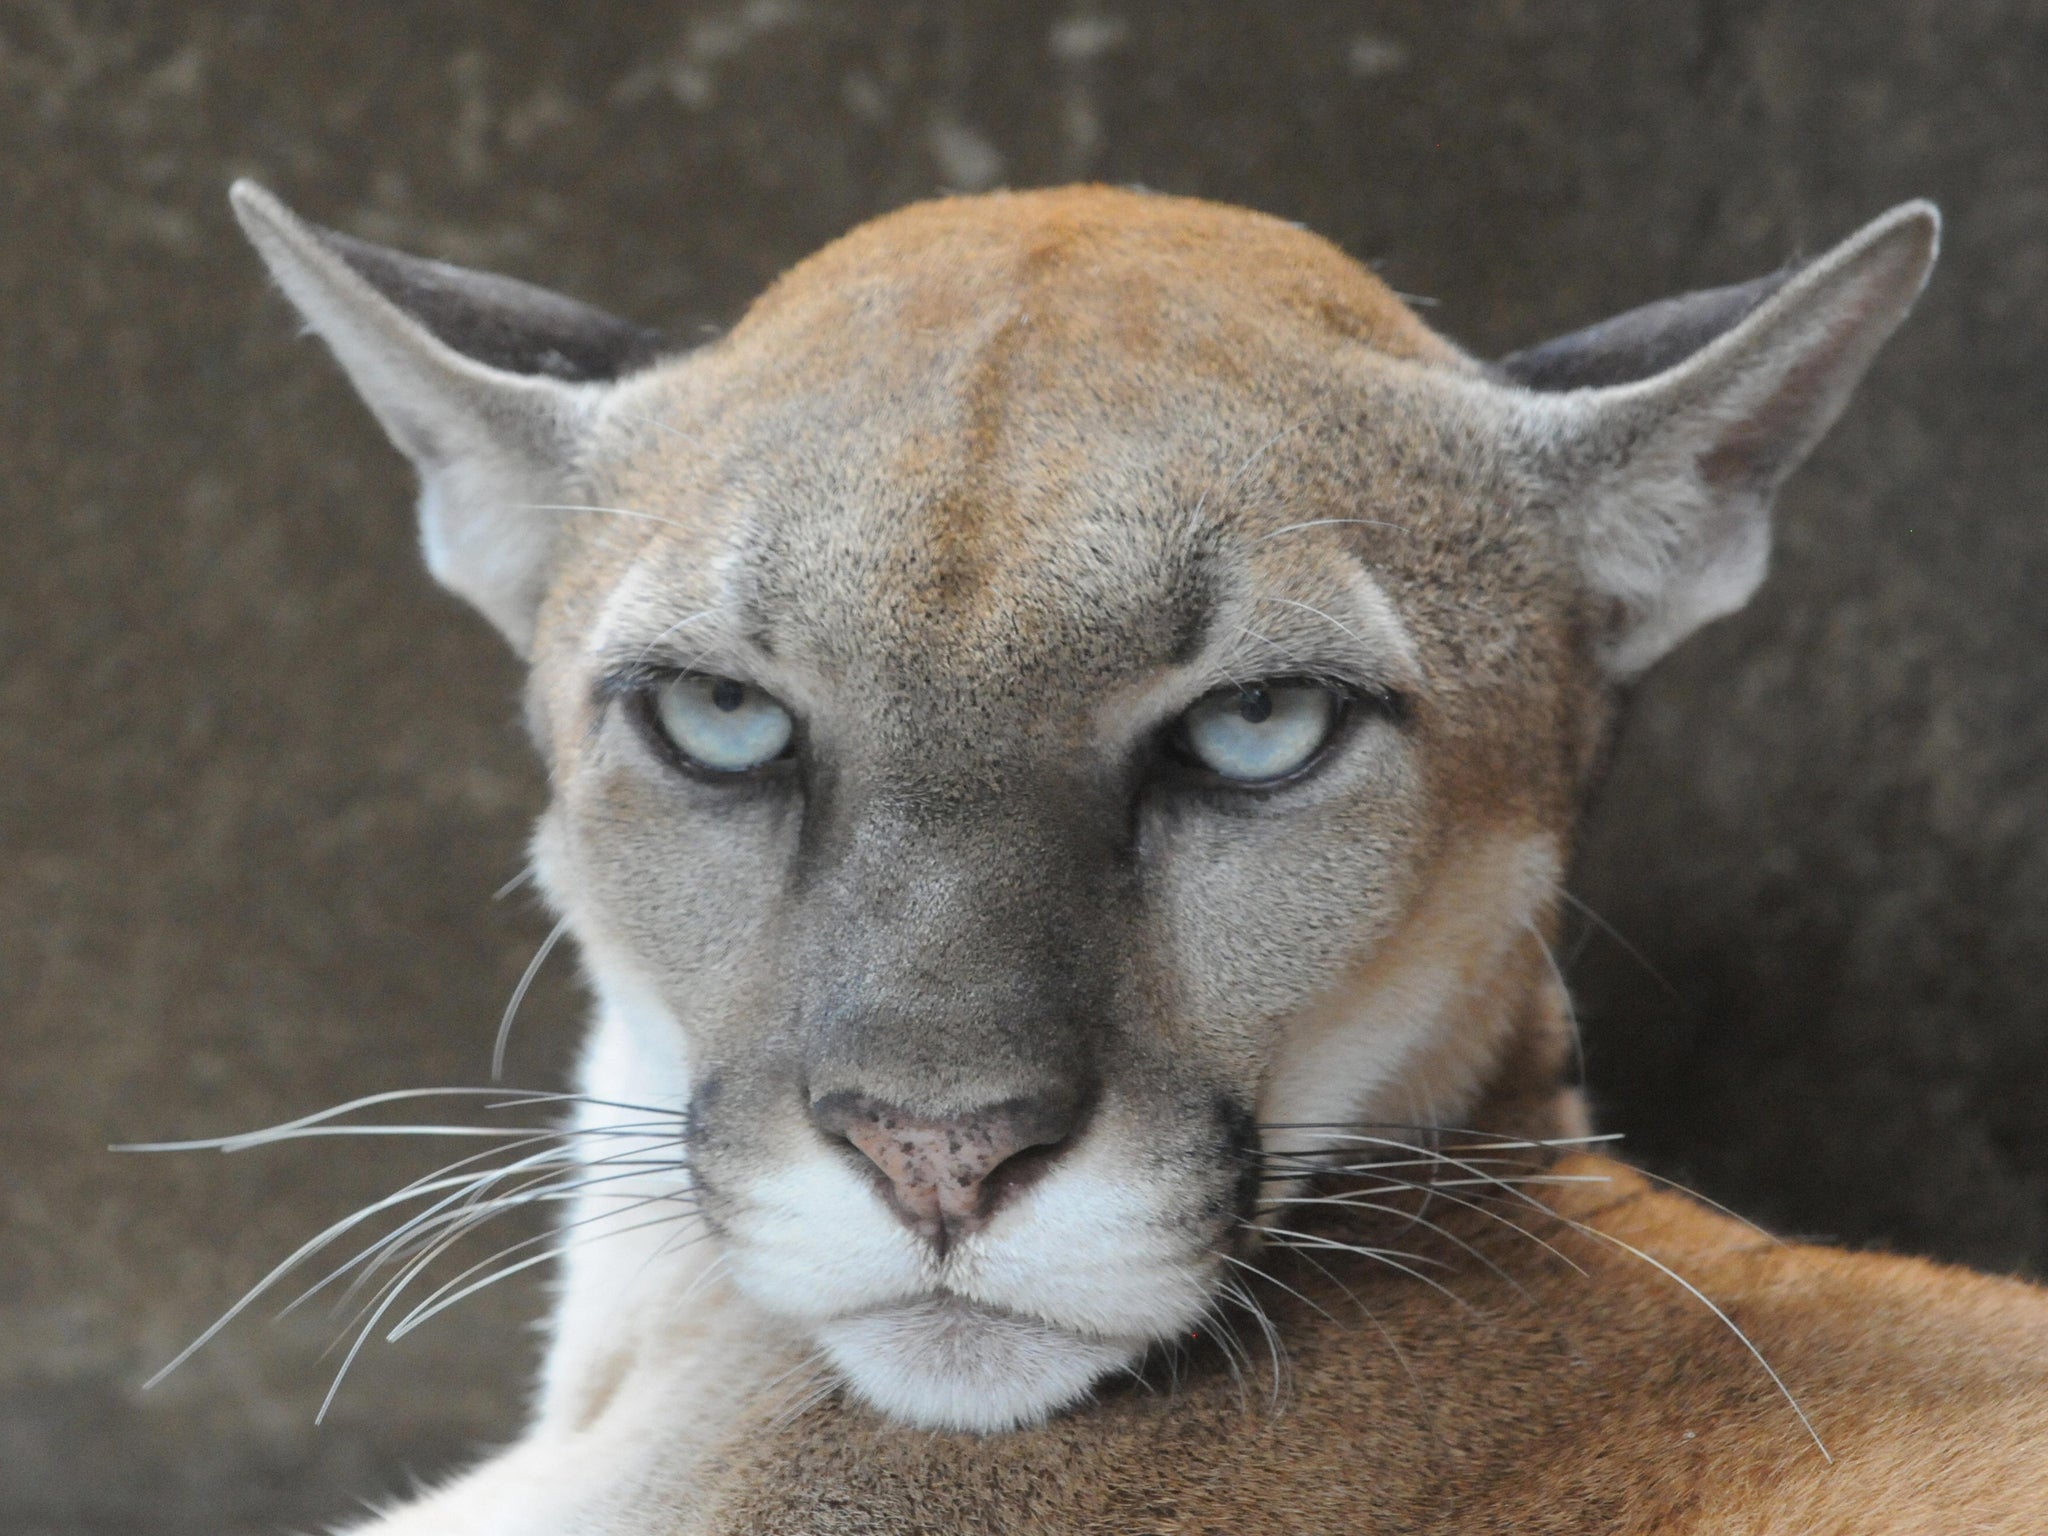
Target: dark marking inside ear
<point>501,321</point>
<point>1640,342</point>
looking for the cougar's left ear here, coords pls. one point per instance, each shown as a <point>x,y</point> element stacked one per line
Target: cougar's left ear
<point>485,383</point>
<point>1664,433</point>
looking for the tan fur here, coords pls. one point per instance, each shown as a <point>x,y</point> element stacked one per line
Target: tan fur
<point>1548,1381</point>
<point>986,493</point>
<point>1542,1399</point>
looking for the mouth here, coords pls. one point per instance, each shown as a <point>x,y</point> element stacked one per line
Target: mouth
<point>947,1363</point>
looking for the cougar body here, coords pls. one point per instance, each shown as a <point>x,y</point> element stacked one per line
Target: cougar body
<point>1064,729</point>
<point>1565,1389</point>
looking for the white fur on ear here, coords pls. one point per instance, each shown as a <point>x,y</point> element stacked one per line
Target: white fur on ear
<point>490,445</point>
<point>1668,480</point>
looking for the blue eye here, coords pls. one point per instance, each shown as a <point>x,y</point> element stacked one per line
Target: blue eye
<point>721,724</point>
<point>1261,732</point>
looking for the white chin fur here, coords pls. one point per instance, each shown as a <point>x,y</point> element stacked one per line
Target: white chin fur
<point>945,1364</point>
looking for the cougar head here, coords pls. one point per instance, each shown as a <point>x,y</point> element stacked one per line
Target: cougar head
<point>1075,685</point>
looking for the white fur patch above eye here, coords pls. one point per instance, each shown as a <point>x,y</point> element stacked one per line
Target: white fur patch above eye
<point>946,1364</point>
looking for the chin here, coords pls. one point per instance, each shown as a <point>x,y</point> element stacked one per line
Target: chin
<point>947,1364</point>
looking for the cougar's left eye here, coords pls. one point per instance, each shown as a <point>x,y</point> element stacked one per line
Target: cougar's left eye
<point>720,724</point>
<point>1261,732</point>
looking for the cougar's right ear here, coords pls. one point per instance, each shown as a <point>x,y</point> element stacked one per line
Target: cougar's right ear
<point>485,383</point>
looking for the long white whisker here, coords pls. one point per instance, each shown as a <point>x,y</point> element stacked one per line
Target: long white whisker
<point>447,1183</point>
<point>1404,1262</point>
<point>1488,1181</point>
<point>417,1245</point>
<point>1513,1190</point>
<point>540,958</point>
<point>823,1384</point>
<point>1447,1159</point>
<point>1225,1335</point>
<point>461,1193</point>
<point>1516,1187</point>
<point>1274,1280</point>
<point>287,1129</point>
<point>1422,1396</point>
<point>1495,1139</point>
<point>1275,1351</point>
<point>389,1299</point>
<point>714,1270</point>
<point>451,1219</point>
<point>298,1256</point>
<point>1722,1317</point>
<point>441,1299</point>
<point>1416,1218</point>
<point>1621,939</point>
<point>1471,1142</point>
<point>1391,1182</point>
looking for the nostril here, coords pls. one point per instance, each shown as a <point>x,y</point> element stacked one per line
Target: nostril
<point>944,1173</point>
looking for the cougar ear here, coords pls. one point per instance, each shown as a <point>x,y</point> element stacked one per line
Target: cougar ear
<point>485,383</point>
<point>1666,431</point>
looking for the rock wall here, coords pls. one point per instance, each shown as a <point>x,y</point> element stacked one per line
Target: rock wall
<point>259,779</point>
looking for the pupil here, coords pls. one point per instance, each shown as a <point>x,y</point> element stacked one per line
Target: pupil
<point>1254,706</point>
<point>727,695</point>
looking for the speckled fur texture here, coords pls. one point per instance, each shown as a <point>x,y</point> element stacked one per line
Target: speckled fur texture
<point>987,494</point>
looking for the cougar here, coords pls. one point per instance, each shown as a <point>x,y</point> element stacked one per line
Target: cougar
<point>1064,730</point>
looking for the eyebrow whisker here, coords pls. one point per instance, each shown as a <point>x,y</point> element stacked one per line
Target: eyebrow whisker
<point>638,419</point>
<point>1333,522</point>
<point>1311,608</point>
<point>1245,465</point>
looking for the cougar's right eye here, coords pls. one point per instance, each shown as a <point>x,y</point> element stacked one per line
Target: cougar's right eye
<point>720,725</point>
<point>1260,733</point>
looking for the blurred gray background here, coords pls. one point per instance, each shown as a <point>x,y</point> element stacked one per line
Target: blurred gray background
<point>259,779</point>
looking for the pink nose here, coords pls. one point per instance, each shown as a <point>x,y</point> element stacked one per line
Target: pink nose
<point>939,1170</point>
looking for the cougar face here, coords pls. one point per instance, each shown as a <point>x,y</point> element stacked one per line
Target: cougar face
<point>1076,689</point>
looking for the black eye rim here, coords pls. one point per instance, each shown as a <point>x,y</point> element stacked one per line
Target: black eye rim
<point>638,691</point>
<point>1355,703</point>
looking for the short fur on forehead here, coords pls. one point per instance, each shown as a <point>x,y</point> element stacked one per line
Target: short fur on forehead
<point>1096,248</point>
